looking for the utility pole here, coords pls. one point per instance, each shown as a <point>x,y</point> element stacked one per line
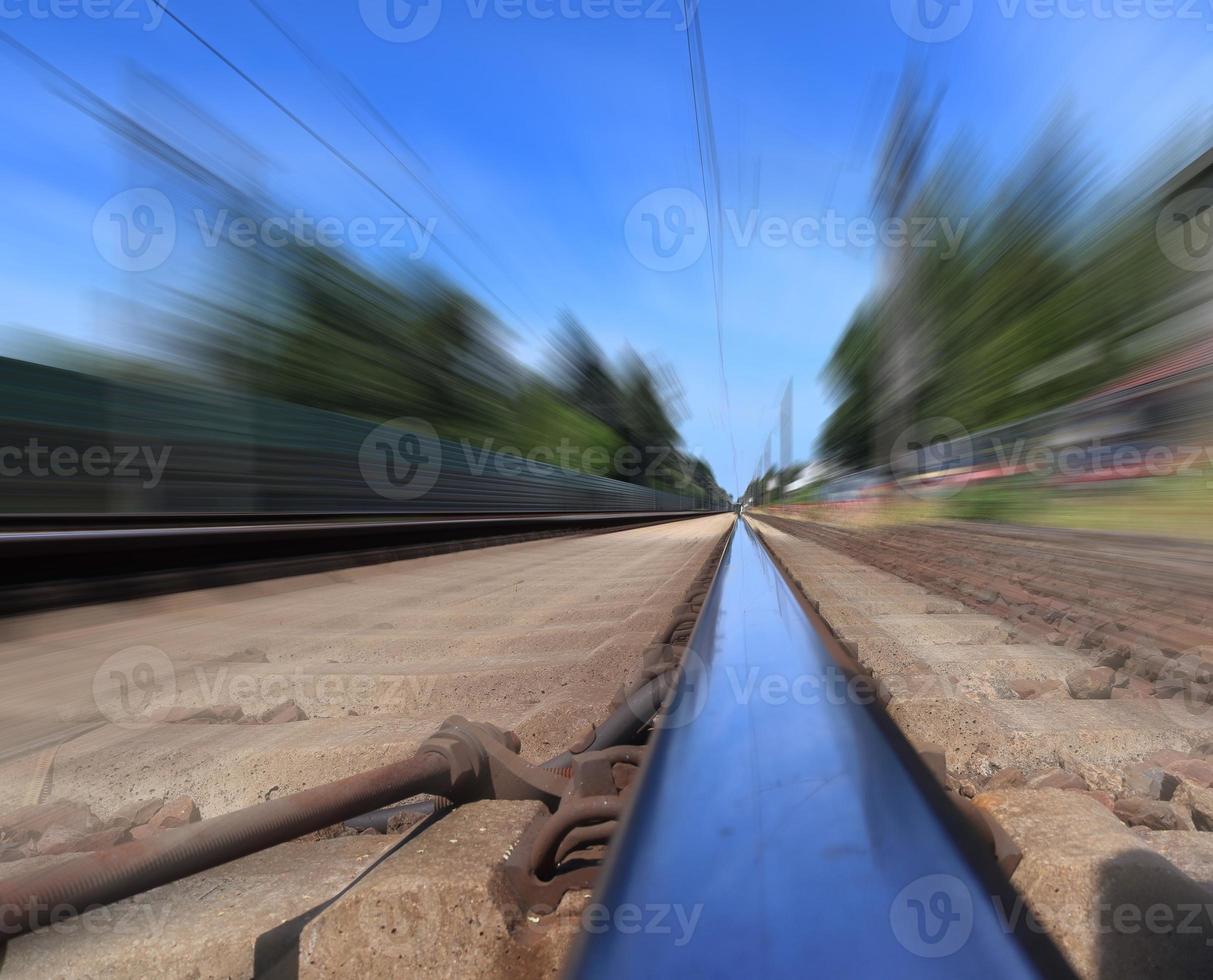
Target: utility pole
<point>901,354</point>
<point>785,430</point>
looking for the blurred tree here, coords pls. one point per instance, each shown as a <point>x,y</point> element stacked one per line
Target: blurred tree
<point>343,331</point>
<point>1037,305</point>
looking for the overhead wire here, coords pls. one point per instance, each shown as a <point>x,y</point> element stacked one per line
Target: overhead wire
<point>709,167</point>
<point>346,92</point>
<point>335,152</point>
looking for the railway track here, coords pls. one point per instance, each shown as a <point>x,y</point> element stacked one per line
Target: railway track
<point>795,822</point>
<point>818,788</point>
<point>1106,797</point>
<point>534,636</point>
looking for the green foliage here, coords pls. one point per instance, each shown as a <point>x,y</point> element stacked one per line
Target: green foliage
<point>344,332</point>
<point>1038,306</point>
<point>1003,501</point>
<point>334,335</point>
<point>578,440</point>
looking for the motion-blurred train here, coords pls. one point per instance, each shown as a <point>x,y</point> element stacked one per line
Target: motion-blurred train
<point>74,444</point>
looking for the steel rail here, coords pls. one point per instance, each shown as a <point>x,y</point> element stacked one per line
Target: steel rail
<point>782,830</point>
<point>41,569</point>
<point>360,524</point>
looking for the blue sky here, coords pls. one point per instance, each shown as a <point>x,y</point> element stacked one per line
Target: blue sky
<point>546,131</point>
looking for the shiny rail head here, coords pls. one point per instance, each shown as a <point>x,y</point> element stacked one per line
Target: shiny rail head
<point>778,835</point>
